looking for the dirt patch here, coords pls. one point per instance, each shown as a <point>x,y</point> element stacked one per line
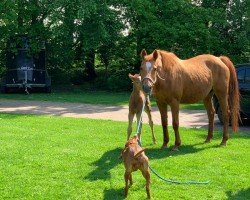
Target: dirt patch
<point>188,118</point>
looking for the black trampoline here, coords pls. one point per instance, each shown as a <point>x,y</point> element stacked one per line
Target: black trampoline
<point>25,71</point>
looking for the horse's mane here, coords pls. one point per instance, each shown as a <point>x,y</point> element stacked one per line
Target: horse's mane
<point>168,53</point>
<point>169,59</point>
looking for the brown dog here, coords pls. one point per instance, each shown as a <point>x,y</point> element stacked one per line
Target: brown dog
<point>134,158</point>
<point>137,98</point>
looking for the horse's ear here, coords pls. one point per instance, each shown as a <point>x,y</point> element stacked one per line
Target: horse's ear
<point>155,54</point>
<point>143,53</point>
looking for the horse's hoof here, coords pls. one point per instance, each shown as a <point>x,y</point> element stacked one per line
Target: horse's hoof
<point>164,146</point>
<point>223,144</point>
<point>207,141</point>
<point>175,148</point>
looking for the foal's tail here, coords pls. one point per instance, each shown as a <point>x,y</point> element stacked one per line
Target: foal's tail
<point>233,95</point>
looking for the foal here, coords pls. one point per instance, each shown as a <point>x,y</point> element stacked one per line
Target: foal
<point>137,98</point>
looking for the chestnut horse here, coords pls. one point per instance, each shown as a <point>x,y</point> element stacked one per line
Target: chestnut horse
<point>136,100</point>
<point>174,81</point>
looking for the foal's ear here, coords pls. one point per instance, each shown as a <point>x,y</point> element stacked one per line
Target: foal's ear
<point>155,54</point>
<point>130,76</point>
<point>143,53</point>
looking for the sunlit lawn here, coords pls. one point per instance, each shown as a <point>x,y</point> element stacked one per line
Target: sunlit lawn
<point>46,157</point>
<point>74,96</point>
<point>80,95</point>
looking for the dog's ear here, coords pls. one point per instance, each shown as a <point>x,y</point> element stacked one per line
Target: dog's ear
<point>123,151</point>
<point>139,153</point>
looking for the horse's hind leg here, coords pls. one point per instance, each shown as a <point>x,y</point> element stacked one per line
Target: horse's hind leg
<point>210,113</point>
<point>151,123</point>
<point>223,101</point>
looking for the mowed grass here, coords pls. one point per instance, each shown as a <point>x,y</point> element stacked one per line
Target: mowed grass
<point>45,157</point>
<point>80,95</point>
<point>74,96</point>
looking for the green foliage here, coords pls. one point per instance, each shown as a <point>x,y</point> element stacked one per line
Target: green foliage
<point>82,35</point>
<point>66,158</point>
<point>119,81</point>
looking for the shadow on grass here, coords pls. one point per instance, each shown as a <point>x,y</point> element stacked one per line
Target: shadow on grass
<point>158,153</point>
<point>13,115</point>
<point>114,194</point>
<point>104,164</point>
<point>242,194</point>
<point>110,159</point>
<point>218,135</point>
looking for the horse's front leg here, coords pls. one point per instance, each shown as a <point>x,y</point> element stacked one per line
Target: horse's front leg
<point>164,122</point>
<point>175,123</point>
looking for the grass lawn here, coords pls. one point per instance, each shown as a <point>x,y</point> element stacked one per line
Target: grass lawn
<point>74,96</point>
<point>45,157</point>
<point>80,95</point>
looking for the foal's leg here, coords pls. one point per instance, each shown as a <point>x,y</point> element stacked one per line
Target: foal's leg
<point>139,125</point>
<point>175,122</point>
<point>130,122</point>
<point>150,121</point>
<point>164,122</point>
<point>210,113</point>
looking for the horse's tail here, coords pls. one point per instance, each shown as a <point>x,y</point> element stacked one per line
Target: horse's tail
<point>233,95</point>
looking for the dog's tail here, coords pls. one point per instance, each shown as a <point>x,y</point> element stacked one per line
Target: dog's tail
<point>139,153</point>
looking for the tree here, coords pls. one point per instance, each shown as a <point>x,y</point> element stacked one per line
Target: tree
<point>229,30</point>
<point>83,37</point>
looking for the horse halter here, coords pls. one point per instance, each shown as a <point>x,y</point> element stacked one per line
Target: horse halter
<point>150,80</point>
<point>147,89</point>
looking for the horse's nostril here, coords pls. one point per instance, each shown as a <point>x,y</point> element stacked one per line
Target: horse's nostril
<point>146,89</point>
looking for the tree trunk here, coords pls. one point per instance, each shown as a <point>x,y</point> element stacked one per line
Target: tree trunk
<point>90,64</point>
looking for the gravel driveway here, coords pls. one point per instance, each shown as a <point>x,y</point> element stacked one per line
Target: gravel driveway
<point>188,118</point>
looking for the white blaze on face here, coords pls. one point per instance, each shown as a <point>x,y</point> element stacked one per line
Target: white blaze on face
<point>148,66</point>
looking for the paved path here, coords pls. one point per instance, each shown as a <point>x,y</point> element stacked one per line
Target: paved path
<point>188,118</point>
